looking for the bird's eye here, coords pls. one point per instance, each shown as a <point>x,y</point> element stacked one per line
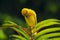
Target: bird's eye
<point>26,13</point>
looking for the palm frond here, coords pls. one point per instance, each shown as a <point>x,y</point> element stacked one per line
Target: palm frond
<point>47,31</point>
<point>45,23</point>
<point>48,35</point>
<point>22,32</point>
<point>19,37</point>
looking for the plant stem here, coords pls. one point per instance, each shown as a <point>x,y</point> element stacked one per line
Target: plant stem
<point>31,34</point>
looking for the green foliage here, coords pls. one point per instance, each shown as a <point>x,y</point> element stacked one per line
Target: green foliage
<point>48,35</point>
<point>47,31</point>
<point>40,35</point>
<point>45,23</point>
<point>32,34</point>
<point>20,37</point>
<point>2,35</point>
<point>22,32</point>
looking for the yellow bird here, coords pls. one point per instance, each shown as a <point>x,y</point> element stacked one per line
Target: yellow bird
<point>30,17</point>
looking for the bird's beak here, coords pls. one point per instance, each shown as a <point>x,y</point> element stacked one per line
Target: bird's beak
<point>26,15</point>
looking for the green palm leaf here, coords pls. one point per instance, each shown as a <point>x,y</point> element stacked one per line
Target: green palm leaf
<point>48,35</point>
<point>22,32</point>
<point>19,37</point>
<point>45,23</point>
<point>55,38</point>
<point>47,31</point>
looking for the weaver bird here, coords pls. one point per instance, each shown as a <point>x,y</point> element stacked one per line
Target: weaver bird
<point>30,17</point>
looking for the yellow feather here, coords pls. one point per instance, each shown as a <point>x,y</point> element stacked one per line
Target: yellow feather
<point>30,17</point>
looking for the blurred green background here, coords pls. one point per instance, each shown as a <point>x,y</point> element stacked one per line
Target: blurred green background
<point>11,10</point>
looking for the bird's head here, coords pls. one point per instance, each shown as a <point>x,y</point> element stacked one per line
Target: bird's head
<point>26,12</point>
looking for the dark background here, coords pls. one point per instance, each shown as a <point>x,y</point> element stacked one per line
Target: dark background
<point>44,8</point>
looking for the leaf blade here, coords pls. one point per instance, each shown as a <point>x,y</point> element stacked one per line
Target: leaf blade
<point>20,37</point>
